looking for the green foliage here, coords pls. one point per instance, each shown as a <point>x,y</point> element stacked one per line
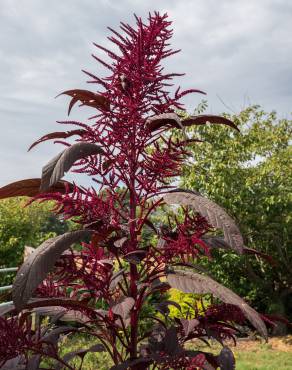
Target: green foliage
<point>187,302</point>
<point>20,226</point>
<point>249,174</point>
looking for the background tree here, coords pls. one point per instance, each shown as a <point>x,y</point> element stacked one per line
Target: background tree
<point>20,226</point>
<point>249,174</point>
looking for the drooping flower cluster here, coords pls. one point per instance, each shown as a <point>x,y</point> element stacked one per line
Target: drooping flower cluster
<point>86,274</point>
<point>183,362</point>
<point>185,241</point>
<point>84,205</point>
<point>14,338</point>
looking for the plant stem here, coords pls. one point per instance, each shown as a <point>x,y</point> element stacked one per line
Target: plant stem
<point>133,268</point>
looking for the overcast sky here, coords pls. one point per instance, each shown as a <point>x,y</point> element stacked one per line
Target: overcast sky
<point>238,51</point>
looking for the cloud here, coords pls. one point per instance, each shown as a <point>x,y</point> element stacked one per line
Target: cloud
<point>237,51</point>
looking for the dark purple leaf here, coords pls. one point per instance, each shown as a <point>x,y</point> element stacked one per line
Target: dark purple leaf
<point>135,256</point>
<point>226,359</point>
<point>57,135</point>
<point>120,242</point>
<point>50,310</point>
<point>163,306</point>
<point>40,263</point>
<point>141,363</point>
<point>81,353</point>
<point>62,313</point>
<point>203,119</point>
<point>14,364</point>
<point>54,170</point>
<point>164,119</point>
<point>88,98</point>
<point>123,307</point>
<point>156,340</point>
<point>189,325</point>
<point>116,278</point>
<point>41,310</point>
<point>215,242</point>
<point>30,188</point>
<point>121,323</point>
<point>158,285</point>
<point>161,120</point>
<point>171,344</point>
<point>214,214</point>
<point>188,282</point>
<point>59,301</point>
<point>34,362</point>
<point>53,336</point>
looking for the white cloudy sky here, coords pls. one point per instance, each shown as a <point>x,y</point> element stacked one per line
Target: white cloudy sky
<point>238,51</point>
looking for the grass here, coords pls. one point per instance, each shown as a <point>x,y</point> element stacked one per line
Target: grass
<point>263,359</point>
<point>250,355</point>
<point>275,355</point>
<point>258,355</point>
